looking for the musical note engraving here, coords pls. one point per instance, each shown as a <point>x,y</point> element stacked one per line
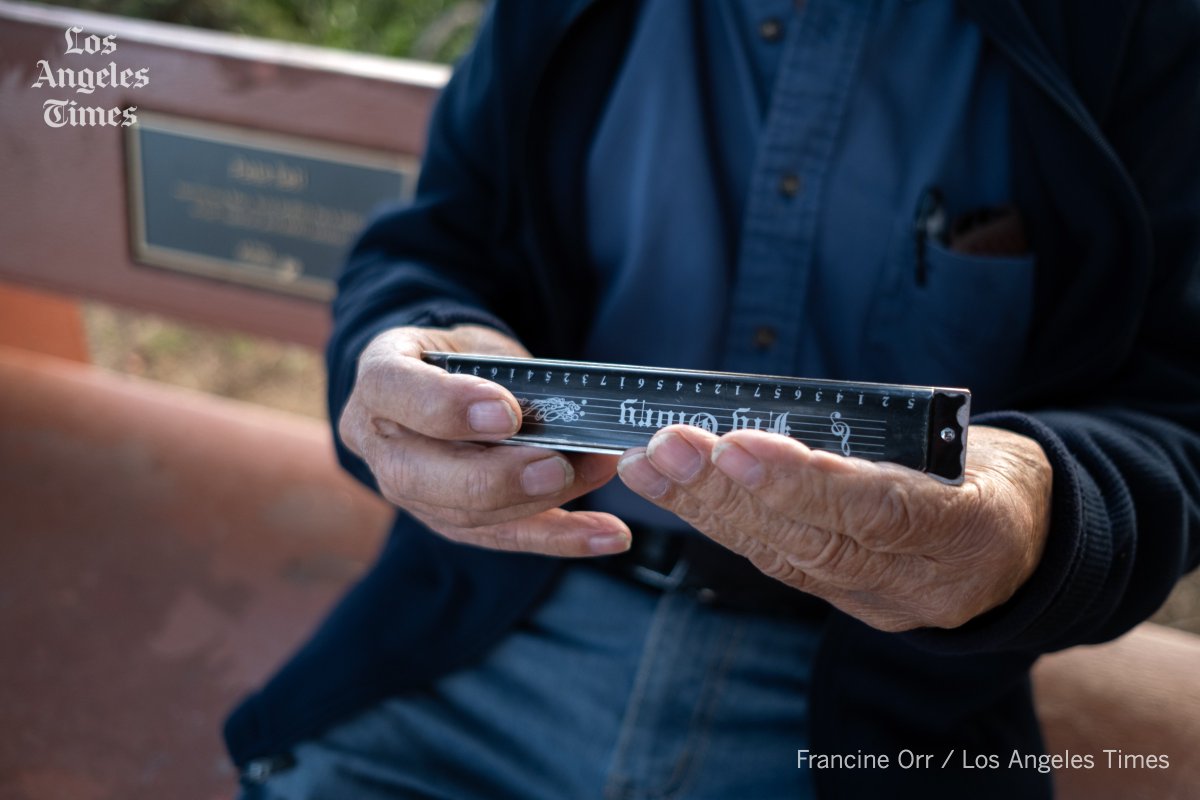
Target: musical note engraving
<point>840,429</point>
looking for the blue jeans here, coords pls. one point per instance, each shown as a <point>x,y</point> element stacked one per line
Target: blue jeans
<point>611,690</point>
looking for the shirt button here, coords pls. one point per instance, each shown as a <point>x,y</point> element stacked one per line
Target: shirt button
<point>771,30</point>
<point>789,185</point>
<point>764,337</point>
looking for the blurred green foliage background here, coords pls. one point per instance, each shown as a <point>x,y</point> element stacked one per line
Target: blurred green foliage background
<point>431,30</point>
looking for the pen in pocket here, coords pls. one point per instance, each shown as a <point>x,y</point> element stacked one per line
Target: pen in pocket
<point>928,223</point>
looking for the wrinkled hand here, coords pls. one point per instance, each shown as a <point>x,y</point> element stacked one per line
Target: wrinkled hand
<point>418,428</point>
<point>886,544</point>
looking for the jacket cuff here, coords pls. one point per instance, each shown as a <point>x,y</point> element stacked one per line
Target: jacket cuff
<point>1055,605</point>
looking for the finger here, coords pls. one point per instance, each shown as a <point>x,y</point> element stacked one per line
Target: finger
<point>903,548</point>
<point>430,401</point>
<point>727,514</point>
<point>883,506</point>
<point>465,518</point>
<point>353,427</point>
<point>554,532</point>
<point>887,590</point>
<point>674,473</point>
<point>677,473</point>
<point>476,484</point>
<point>395,384</point>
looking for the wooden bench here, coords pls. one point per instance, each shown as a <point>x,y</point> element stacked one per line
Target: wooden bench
<point>162,551</point>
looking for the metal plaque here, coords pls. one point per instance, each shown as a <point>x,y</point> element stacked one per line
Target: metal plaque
<point>609,408</point>
<point>274,211</point>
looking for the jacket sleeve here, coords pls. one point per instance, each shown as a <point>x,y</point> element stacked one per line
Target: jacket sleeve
<point>1126,507</point>
<point>440,261</point>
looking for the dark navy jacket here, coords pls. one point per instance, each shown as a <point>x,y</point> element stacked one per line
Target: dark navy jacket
<point>1106,162</point>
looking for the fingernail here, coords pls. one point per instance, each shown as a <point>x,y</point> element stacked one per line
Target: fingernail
<point>547,476</point>
<point>640,475</point>
<point>491,416</point>
<point>739,465</point>
<point>672,454</point>
<point>607,544</point>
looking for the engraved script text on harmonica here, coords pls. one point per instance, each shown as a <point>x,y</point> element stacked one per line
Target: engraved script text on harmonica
<point>635,413</point>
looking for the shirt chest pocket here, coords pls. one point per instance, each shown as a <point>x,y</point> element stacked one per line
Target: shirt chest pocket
<point>951,318</point>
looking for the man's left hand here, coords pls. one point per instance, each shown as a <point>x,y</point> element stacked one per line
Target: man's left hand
<point>883,543</point>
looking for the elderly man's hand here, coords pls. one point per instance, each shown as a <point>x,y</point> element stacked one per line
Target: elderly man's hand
<point>418,427</point>
<point>885,544</point>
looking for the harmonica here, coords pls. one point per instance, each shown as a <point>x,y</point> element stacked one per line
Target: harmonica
<point>609,408</point>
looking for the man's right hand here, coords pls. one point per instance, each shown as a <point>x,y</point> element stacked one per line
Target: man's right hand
<point>419,430</point>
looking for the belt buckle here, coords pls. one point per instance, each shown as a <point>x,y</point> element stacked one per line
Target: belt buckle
<point>676,580</point>
<point>260,769</point>
<point>665,582</point>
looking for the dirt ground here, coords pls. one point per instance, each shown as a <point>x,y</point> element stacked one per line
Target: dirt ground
<point>292,378</point>
<point>285,376</point>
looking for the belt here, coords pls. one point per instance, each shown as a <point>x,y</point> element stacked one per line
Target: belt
<point>687,562</point>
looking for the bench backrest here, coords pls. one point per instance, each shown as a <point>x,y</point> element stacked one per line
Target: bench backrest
<point>74,219</point>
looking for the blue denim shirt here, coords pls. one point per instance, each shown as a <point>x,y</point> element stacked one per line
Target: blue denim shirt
<point>752,188</point>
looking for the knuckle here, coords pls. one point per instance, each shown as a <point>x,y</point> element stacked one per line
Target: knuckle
<point>940,607</point>
<point>511,536</point>
<point>369,374</point>
<point>483,490</point>
<point>350,426</point>
<point>892,514</point>
<point>394,467</point>
<point>892,623</point>
<point>689,508</point>
<point>896,507</point>
<point>946,617</point>
<point>465,518</point>
<point>388,493</point>
<point>775,564</point>
<point>730,501</point>
<point>836,555</point>
<point>386,477</point>
<point>525,538</point>
<point>388,382</point>
<point>724,506</point>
